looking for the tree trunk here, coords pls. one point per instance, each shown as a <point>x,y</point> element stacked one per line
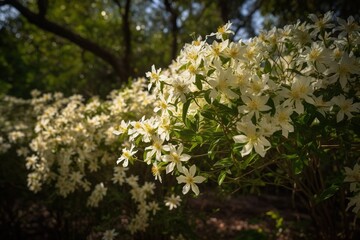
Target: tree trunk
<point>174,28</point>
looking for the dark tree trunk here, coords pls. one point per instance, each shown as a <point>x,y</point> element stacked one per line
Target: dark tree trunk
<point>174,27</point>
<point>127,37</point>
<point>126,30</point>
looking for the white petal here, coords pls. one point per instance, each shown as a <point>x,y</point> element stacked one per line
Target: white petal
<point>185,157</point>
<point>240,138</point>
<point>199,179</point>
<point>186,189</point>
<point>170,167</point>
<point>192,170</point>
<point>246,149</point>
<point>126,163</point>
<point>181,179</point>
<point>195,189</point>
<point>340,116</point>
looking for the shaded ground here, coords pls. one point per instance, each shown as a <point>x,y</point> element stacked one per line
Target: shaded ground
<point>250,217</point>
<point>231,218</point>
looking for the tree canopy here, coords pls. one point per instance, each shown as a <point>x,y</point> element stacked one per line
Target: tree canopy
<point>91,47</point>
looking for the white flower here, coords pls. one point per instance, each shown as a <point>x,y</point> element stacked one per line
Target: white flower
<point>221,31</point>
<point>346,107</point>
<point>222,81</point>
<point>301,89</point>
<point>119,175</point>
<point>321,24</point>
<point>172,201</point>
<point>353,176</point>
<point>175,157</point>
<point>153,207</point>
<point>341,71</point>
<point>109,234</point>
<point>189,179</point>
<point>162,104</point>
<point>148,129</point>
<point>254,105</point>
<point>154,77</point>
<point>253,139</point>
<point>97,195</point>
<point>156,171</point>
<point>283,120</point>
<point>31,161</point>
<point>155,148</point>
<point>121,128</point>
<point>316,56</point>
<point>354,201</point>
<point>217,48</point>
<point>126,155</point>
<point>347,27</point>
<point>133,181</point>
<point>180,86</point>
<point>164,128</point>
<point>136,130</point>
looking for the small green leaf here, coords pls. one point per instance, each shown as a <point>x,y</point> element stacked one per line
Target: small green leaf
<point>198,80</point>
<point>327,193</point>
<point>221,177</point>
<point>210,72</point>
<point>298,166</point>
<point>244,164</point>
<point>225,162</point>
<point>208,114</point>
<point>185,109</point>
<point>207,97</point>
<point>267,67</point>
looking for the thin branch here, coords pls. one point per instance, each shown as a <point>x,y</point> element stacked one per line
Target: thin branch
<point>86,44</point>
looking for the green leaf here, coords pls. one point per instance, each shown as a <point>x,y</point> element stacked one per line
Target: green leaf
<point>207,97</point>
<point>208,114</point>
<point>327,193</point>
<point>267,67</point>
<point>221,177</point>
<point>298,166</point>
<point>225,162</point>
<point>244,164</point>
<point>210,72</point>
<point>185,110</point>
<point>186,134</point>
<point>197,140</point>
<point>198,80</point>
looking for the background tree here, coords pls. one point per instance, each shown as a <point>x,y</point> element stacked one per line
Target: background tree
<point>91,47</point>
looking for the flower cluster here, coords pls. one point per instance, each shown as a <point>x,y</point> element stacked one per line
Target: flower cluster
<point>70,142</point>
<point>233,101</point>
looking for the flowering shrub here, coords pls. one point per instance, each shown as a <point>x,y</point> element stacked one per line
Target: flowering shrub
<point>281,108</point>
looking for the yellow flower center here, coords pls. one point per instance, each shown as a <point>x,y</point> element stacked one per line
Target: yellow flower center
<point>176,157</point>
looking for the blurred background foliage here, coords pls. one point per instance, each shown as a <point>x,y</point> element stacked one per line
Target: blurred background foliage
<point>92,47</point>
